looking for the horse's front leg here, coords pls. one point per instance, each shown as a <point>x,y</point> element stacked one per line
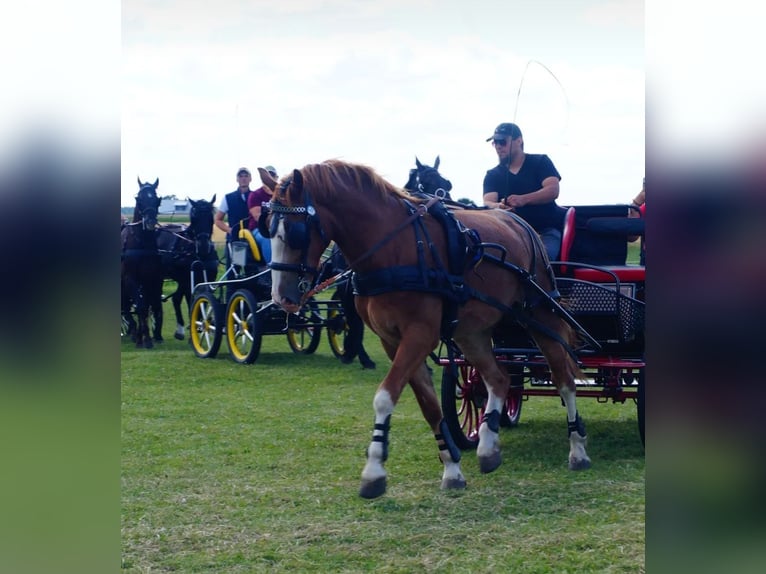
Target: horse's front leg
<point>449,454</point>
<point>373,474</point>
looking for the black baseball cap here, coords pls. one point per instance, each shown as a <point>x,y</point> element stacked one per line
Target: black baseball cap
<point>505,130</point>
<point>244,170</point>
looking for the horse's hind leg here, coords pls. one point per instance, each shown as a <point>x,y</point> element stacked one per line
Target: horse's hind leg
<point>563,374</point>
<point>177,298</point>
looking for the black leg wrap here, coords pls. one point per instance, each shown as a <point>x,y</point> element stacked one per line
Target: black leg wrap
<point>384,437</point>
<point>445,442</point>
<point>576,425</point>
<point>492,419</point>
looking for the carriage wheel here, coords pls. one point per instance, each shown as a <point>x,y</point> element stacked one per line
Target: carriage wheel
<point>304,331</point>
<point>337,329</point>
<point>243,327</point>
<point>206,326</point>
<point>512,411</point>
<point>463,401</point>
<point>641,405</point>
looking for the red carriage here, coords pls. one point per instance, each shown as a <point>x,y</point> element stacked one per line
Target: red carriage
<point>604,294</point>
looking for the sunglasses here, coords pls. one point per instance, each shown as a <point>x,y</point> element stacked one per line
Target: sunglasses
<point>500,142</point>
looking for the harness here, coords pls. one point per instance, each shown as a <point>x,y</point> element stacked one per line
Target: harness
<point>465,251</point>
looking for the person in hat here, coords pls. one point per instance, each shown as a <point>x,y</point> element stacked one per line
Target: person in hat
<point>234,205</point>
<point>254,201</point>
<point>527,184</point>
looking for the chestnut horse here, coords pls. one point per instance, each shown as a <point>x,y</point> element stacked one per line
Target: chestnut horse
<point>421,274</point>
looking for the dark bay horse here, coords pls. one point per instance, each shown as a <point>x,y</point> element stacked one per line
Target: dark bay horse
<point>141,272</point>
<point>423,273</point>
<point>428,180</point>
<point>185,249</point>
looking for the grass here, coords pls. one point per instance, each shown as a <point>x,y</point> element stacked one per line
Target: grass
<point>255,468</point>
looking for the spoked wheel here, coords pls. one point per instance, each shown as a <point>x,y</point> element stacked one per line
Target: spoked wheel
<point>512,411</point>
<point>304,330</point>
<point>243,328</point>
<point>206,326</point>
<point>641,405</point>
<point>337,329</point>
<point>463,400</point>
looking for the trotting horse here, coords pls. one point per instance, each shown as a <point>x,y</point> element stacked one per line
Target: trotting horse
<point>424,273</point>
<point>185,249</point>
<point>141,269</point>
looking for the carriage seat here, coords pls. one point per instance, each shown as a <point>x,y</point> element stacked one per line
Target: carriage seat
<point>255,251</point>
<point>597,235</point>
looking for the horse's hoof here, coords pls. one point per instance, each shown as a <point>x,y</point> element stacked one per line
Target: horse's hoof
<point>489,463</point>
<point>178,336</point>
<point>581,464</point>
<point>368,365</point>
<point>159,340</point>
<point>148,344</point>
<point>453,484</point>
<point>373,488</point>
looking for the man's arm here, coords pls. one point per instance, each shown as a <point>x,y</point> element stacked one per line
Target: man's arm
<point>547,193</point>
<point>220,223</point>
<point>490,200</point>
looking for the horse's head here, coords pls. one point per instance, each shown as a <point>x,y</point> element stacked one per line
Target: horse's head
<point>201,218</point>
<point>147,205</point>
<point>429,180</point>
<point>291,221</point>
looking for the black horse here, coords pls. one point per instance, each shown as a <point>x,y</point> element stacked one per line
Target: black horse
<point>344,293</point>
<point>428,180</point>
<point>141,272</point>
<point>186,251</point>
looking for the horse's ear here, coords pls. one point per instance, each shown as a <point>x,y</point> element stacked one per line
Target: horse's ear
<point>417,163</point>
<point>436,163</point>
<point>156,183</point>
<point>266,179</point>
<point>139,181</point>
<point>212,201</point>
<point>297,186</point>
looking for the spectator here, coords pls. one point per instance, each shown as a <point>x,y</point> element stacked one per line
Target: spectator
<point>234,205</point>
<point>258,196</point>
<point>527,184</point>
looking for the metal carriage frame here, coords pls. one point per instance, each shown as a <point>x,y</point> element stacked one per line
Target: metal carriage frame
<point>238,307</point>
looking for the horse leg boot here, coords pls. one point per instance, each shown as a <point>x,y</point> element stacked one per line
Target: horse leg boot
<point>449,454</point>
<point>373,474</point>
<point>578,439</point>
<point>488,451</point>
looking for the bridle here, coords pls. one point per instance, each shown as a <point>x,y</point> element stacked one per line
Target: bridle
<point>297,234</point>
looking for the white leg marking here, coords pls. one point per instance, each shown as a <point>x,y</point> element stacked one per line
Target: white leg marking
<point>383,406</point>
<point>489,440</point>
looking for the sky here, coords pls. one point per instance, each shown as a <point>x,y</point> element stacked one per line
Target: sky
<point>208,87</point>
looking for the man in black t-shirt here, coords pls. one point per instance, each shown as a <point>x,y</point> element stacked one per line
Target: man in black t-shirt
<point>527,184</point>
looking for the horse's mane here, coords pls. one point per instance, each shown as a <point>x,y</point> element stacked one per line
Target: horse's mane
<point>332,173</point>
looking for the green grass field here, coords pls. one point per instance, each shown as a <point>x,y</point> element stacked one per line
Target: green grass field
<point>255,468</point>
